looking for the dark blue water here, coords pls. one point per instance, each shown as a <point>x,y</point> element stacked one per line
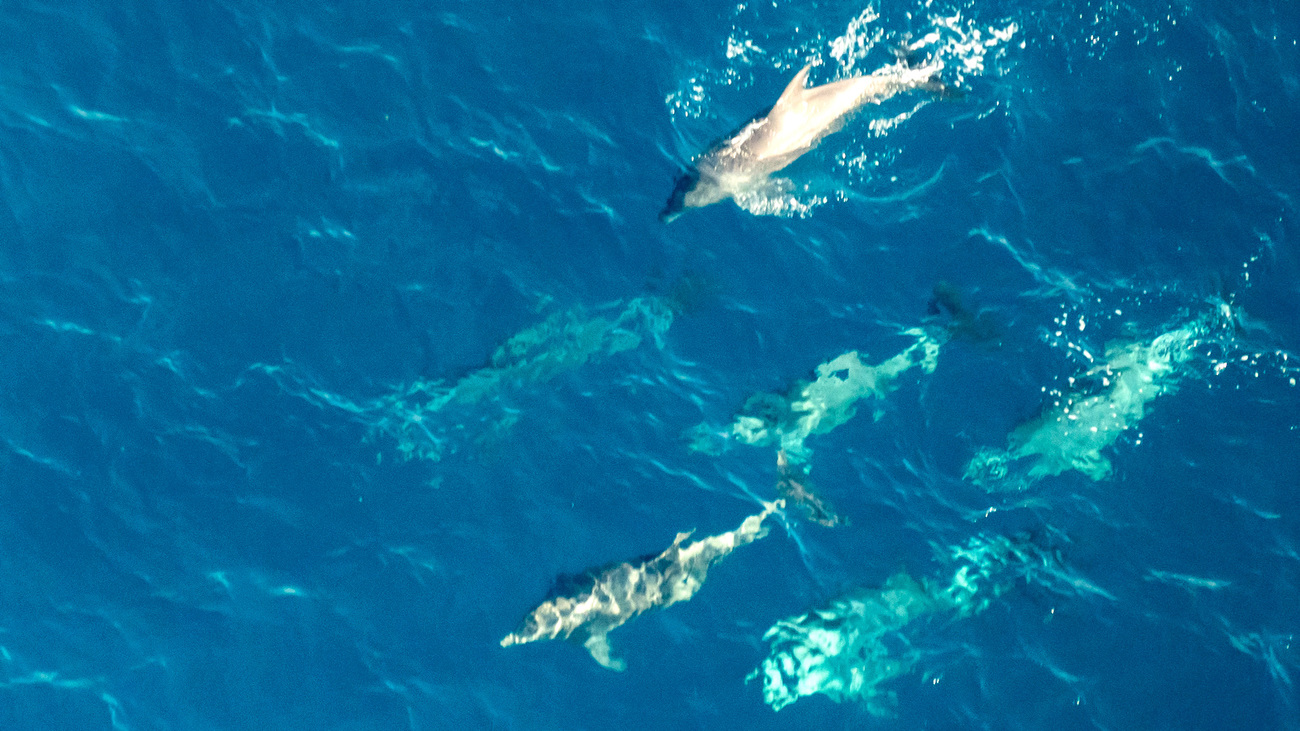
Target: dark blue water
<point>334,332</point>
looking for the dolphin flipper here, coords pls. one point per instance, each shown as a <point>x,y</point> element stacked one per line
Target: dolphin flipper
<point>598,646</point>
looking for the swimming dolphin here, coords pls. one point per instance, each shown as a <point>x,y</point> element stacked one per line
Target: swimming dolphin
<point>792,484</point>
<point>794,125</point>
<point>606,598</point>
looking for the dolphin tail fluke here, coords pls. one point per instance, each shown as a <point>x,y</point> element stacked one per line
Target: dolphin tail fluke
<point>907,54</point>
<point>910,57</point>
<point>939,88</point>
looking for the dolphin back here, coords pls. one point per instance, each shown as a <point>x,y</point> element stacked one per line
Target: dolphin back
<point>803,115</point>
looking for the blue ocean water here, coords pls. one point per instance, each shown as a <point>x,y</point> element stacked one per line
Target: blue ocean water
<point>336,332</point>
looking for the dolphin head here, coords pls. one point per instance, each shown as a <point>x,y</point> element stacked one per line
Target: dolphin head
<point>684,184</point>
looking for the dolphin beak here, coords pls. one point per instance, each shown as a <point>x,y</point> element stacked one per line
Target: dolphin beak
<point>667,216</point>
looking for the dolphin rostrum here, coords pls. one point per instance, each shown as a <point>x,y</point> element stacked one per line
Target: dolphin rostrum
<point>606,598</point>
<point>741,163</point>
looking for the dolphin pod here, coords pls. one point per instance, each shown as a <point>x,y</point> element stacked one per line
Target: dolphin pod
<point>849,647</point>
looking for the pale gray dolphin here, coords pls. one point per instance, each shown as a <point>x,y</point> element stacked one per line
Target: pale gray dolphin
<point>801,117</point>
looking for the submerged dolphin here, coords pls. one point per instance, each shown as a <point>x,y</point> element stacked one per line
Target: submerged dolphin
<point>792,484</point>
<point>606,598</point>
<point>799,120</point>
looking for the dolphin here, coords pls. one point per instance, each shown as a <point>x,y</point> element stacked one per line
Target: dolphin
<point>801,117</point>
<point>585,608</point>
<point>793,486</point>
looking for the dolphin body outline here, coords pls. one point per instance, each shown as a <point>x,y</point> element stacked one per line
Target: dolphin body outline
<point>801,117</point>
<point>587,607</point>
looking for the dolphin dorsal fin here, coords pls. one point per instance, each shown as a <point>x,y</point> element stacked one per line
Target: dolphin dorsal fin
<point>795,88</point>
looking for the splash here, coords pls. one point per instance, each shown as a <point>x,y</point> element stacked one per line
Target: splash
<point>779,198</point>
<point>820,406</point>
<point>1072,433</point>
<point>846,650</point>
<point>612,596</point>
<point>964,47</point>
<point>859,38</point>
<point>967,48</point>
<point>558,345</point>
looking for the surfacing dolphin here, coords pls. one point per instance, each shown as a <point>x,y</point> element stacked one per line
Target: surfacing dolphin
<point>743,162</point>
